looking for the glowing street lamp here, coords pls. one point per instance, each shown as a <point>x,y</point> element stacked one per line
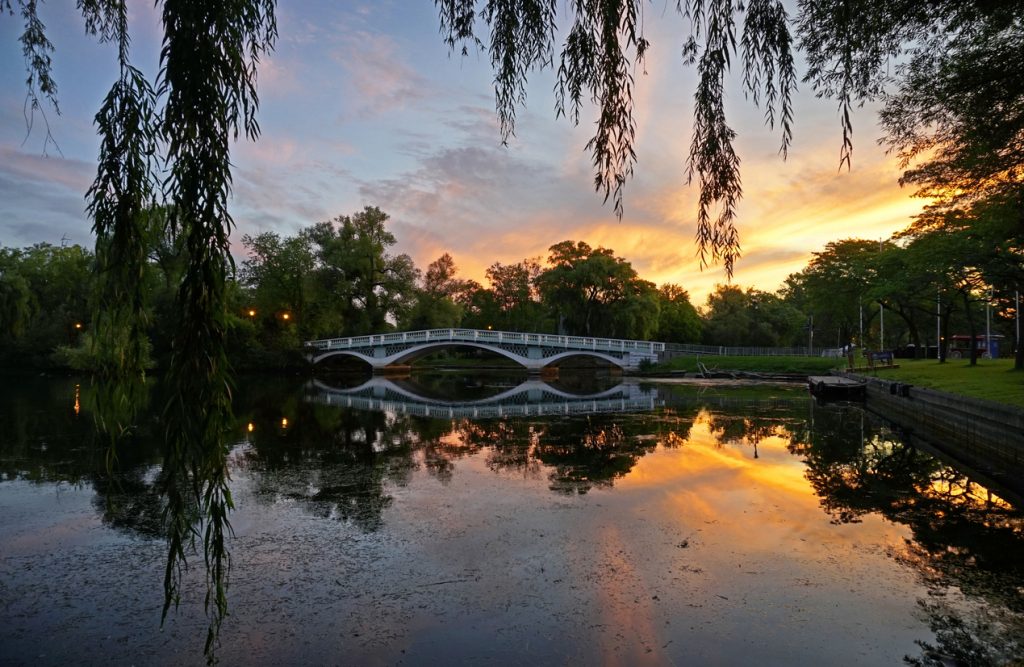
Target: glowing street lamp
<point>252,313</point>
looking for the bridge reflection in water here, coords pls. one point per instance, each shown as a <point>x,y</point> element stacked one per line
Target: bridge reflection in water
<point>538,398</point>
<point>530,398</point>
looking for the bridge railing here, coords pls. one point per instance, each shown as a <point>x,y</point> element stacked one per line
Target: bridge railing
<point>486,336</point>
<point>672,350</point>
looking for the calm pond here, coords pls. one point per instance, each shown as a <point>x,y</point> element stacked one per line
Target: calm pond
<point>477,520</point>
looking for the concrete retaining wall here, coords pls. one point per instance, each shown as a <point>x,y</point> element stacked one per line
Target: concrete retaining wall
<point>981,432</point>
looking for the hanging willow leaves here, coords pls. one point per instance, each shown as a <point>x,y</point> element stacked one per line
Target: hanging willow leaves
<point>118,202</point>
<point>603,48</point>
<point>208,77</point>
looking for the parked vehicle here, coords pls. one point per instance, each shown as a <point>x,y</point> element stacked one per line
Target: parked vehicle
<point>960,346</point>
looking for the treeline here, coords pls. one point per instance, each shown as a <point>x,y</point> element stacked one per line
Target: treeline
<point>336,278</point>
<point>951,272</point>
<point>342,278</point>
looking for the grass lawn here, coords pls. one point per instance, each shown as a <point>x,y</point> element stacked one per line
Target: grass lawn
<point>994,380</point>
<point>809,365</point>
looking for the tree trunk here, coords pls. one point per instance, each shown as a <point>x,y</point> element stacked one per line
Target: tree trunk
<point>971,327</point>
<point>944,335</point>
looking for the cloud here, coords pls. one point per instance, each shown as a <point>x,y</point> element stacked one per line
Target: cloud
<point>43,198</point>
<point>379,79</point>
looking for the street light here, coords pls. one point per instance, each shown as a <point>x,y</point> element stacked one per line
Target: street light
<point>252,313</point>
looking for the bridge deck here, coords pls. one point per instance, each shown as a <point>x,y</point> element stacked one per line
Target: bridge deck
<point>487,336</point>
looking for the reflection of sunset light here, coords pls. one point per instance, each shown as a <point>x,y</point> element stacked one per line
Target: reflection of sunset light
<point>706,482</point>
<point>78,405</point>
<point>970,495</point>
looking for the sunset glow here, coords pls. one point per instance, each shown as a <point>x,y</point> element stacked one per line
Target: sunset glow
<point>362,104</point>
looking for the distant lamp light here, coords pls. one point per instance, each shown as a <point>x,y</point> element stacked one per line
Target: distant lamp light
<point>489,327</point>
<point>252,313</point>
<point>78,325</point>
<point>286,316</point>
<point>284,422</point>
<point>251,427</point>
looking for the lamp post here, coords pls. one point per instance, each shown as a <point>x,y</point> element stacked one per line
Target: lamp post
<point>881,314</point>
<point>988,325</point>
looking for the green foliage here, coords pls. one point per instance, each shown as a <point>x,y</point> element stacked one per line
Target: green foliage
<point>678,320</point>
<point>44,293</point>
<point>733,317</point>
<point>835,286</point>
<point>95,357</point>
<point>371,287</point>
<point>594,293</point>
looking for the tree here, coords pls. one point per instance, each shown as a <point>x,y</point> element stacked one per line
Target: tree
<point>965,254</point>
<point>436,303</point>
<point>592,292</point>
<point>355,267</point>
<point>282,302</point>
<point>678,320</point>
<point>956,122</point>
<point>835,285</point>
<point>734,317</point>
<point>44,300</point>
<point>516,296</point>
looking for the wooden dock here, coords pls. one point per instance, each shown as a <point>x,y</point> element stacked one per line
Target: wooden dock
<point>835,387</point>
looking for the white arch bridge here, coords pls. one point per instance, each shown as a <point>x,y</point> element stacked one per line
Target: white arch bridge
<point>532,351</point>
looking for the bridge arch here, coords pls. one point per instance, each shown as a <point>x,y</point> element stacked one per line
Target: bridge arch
<point>530,350</point>
<point>424,349</point>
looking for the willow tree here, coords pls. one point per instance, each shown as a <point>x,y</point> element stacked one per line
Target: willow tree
<point>171,142</point>
<point>170,139</point>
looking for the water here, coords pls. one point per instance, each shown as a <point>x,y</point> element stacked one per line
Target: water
<point>590,523</point>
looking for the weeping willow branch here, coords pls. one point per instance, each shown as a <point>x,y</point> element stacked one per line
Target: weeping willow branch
<point>202,115</point>
<point>603,48</point>
<point>119,199</point>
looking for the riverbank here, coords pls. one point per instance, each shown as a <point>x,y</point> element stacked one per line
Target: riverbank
<point>984,435</point>
<point>991,380</point>
<point>762,364</point>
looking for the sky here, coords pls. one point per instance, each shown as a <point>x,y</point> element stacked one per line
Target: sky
<point>362,104</point>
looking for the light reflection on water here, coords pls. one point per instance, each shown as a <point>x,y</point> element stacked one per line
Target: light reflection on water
<point>719,525</point>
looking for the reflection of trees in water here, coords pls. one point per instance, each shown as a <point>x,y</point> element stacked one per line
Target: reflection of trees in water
<point>42,439</point>
<point>335,463</point>
<point>589,454</point>
<point>579,453</point>
<point>81,432</point>
<point>967,545</point>
<point>728,429</point>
